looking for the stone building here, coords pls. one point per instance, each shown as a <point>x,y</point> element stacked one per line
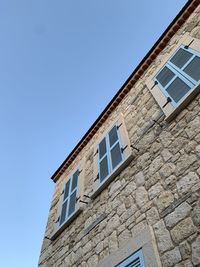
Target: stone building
<point>128,193</point>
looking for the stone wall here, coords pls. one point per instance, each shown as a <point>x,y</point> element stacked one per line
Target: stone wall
<point>159,188</point>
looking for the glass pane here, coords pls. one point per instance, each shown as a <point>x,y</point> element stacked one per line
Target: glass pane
<point>113,137</point>
<point>181,57</point>
<point>72,203</point>
<point>165,76</point>
<point>103,169</point>
<point>193,69</point>
<point>102,148</point>
<point>177,89</point>
<point>63,212</point>
<point>66,193</point>
<point>116,155</point>
<point>75,180</point>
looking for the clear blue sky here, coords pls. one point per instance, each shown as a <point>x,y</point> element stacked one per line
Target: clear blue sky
<point>61,62</point>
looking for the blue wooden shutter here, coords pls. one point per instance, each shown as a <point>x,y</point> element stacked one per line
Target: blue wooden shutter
<point>193,68</point>
<point>69,197</point>
<point>73,193</point>
<point>135,260</point>
<point>103,160</point>
<point>115,147</point>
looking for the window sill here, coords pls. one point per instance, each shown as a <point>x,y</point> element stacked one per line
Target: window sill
<point>62,227</point>
<point>183,104</point>
<point>100,187</point>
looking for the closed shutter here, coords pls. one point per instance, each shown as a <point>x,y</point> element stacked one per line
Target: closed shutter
<point>135,260</point>
<point>103,160</point>
<point>110,153</point>
<point>181,57</point>
<point>115,148</point>
<point>193,68</point>
<point>69,198</point>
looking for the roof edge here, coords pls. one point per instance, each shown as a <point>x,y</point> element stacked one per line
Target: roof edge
<point>160,44</point>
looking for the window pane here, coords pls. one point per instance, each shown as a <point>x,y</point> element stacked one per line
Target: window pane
<point>103,169</point>
<point>66,193</point>
<point>72,203</point>
<point>116,155</point>
<point>75,180</point>
<point>165,76</point>
<point>181,57</point>
<point>193,69</point>
<point>63,212</point>
<point>113,137</point>
<point>177,89</point>
<point>102,148</point>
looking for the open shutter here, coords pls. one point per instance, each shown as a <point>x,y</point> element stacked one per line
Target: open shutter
<point>135,260</point>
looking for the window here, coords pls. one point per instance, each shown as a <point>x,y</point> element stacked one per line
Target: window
<point>176,82</point>
<point>135,260</point>
<point>69,198</point>
<point>69,205</point>
<point>179,75</point>
<point>112,154</point>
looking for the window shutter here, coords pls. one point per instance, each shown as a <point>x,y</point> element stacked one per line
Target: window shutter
<point>115,147</point>
<point>165,76</point>
<point>134,263</point>
<point>177,89</point>
<point>63,212</point>
<point>181,57</point>
<point>135,260</point>
<point>193,68</point>
<point>69,198</point>
<point>72,203</point>
<point>103,160</point>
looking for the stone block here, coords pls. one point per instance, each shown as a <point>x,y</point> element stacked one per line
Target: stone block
<point>167,169</point>
<point>185,250</point>
<point>155,165</point>
<point>196,252</point>
<point>196,214</point>
<point>141,196</point>
<point>139,178</point>
<point>152,216</point>
<point>178,214</point>
<point>164,200</point>
<point>185,183</point>
<point>170,258</point>
<point>163,238</point>
<point>182,230</point>
<point>155,190</point>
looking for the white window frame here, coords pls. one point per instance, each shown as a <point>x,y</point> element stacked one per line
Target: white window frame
<point>171,109</point>
<point>124,142</point>
<point>144,241</point>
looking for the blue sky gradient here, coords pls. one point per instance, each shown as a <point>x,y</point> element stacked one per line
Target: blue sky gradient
<point>61,62</point>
